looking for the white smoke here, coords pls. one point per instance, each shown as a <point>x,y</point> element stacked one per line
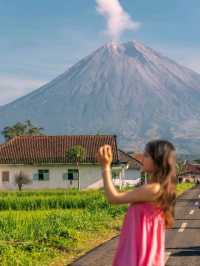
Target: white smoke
<point>117,19</point>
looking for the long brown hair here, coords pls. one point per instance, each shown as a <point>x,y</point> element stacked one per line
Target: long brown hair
<point>163,154</point>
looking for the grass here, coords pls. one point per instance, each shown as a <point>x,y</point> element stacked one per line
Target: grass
<point>38,237</point>
<point>180,188</point>
<point>53,227</point>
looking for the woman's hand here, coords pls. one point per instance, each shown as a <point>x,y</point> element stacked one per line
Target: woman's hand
<point>105,156</point>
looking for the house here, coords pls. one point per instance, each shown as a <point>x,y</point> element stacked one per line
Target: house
<point>191,172</point>
<point>127,172</point>
<point>43,160</point>
<point>130,168</point>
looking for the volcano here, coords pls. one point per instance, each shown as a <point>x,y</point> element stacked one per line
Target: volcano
<point>126,89</point>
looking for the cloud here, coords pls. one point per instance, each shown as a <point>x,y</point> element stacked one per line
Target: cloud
<point>12,87</point>
<point>118,20</point>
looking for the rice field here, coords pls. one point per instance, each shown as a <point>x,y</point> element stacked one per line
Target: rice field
<point>53,227</point>
<point>44,227</point>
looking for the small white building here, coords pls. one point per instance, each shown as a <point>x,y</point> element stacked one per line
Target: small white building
<point>191,173</point>
<point>130,172</point>
<point>43,160</point>
<point>126,173</point>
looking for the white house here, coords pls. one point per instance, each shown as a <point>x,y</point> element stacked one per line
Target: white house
<point>130,168</point>
<point>128,172</point>
<point>43,160</point>
<point>191,173</point>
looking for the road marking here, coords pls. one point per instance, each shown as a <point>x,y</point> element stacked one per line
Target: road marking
<point>167,255</point>
<point>191,212</point>
<point>182,228</point>
<point>196,203</point>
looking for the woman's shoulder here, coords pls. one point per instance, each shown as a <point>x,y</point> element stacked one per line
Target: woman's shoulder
<point>154,187</point>
<point>150,191</point>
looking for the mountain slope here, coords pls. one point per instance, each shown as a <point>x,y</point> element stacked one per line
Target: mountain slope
<point>126,89</point>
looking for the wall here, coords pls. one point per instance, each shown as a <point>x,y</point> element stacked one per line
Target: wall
<point>88,175</point>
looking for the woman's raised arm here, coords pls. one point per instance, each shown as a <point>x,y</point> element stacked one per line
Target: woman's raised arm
<point>145,193</point>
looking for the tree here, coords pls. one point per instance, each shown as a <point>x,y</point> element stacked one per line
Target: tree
<point>21,129</point>
<point>76,154</point>
<point>22,179</point>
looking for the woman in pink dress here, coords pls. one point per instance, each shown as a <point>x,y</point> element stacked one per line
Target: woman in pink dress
<point>151,206</point>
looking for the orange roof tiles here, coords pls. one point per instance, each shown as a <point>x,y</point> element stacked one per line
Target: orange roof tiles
<point>52,149</point>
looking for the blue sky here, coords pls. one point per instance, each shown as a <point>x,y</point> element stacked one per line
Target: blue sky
<point>41,39</point>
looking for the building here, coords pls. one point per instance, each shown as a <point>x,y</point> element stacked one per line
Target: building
<point>130,168</point>
<point>191,172</point>
<point>43,160</point>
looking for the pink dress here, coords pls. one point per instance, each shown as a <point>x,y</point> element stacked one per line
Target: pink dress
<point>142,237</point>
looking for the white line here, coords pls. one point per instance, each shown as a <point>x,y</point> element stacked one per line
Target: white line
<point>196,203</point>
<point>182,228</point>
<point>167,255</point>
<point>191,212</point>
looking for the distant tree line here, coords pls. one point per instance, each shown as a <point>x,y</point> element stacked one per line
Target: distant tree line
<point>21,129</point>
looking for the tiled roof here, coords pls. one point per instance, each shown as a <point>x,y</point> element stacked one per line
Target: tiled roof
<point>52,149</point>
<point>126,158</point>
<point>192,169</point>
<point>138,156</point>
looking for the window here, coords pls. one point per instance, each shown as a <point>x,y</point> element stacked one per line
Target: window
<point>72,174</point>
<point>43,175</point>
<point>5,176</point>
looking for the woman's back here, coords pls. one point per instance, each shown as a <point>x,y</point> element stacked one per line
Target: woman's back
<point>142,237</point>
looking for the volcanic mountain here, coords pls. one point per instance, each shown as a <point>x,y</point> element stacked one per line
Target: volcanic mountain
<point>125,89</point>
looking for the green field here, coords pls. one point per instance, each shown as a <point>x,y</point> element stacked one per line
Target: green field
<point>39,227</point>
<point>180,188</point>
<point>55,227</point>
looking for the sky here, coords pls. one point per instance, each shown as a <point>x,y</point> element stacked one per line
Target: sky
<point>42,39</point>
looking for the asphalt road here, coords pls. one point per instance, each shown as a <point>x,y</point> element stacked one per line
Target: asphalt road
<point>182,241</point>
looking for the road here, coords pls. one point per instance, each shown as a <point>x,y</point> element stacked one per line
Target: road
<point>183,241</point>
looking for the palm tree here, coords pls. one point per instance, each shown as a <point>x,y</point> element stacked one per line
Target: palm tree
<point>76,154</point>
